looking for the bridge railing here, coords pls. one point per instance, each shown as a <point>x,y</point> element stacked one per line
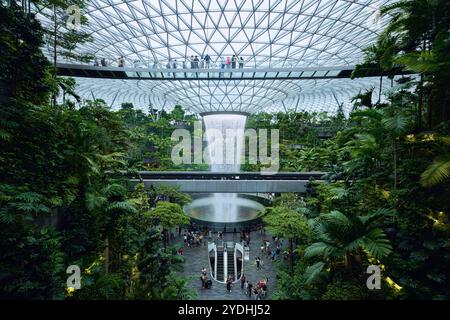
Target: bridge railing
<point>215,63</point>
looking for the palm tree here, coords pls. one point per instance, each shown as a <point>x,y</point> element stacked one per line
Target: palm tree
<point>344,235</point>
<point>421,30</point>
<point>415,22</point>
<point>436,172</point>
<point>378,60</point>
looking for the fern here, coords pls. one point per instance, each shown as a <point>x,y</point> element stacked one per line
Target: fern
<point>121,206</point>
<point>113,189</point>
<point>7,216</point>
<point>29,197</point>
<point>317,249</point>
<point>5,136</point>
<point>313,271</point>
<point>94,201</point>
<point>397,123</point>
<point>376,243</point>
<point>437,172</point>
<point>338,193</point>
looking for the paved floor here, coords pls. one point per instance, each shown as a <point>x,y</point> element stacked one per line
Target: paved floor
<point>197,257</point>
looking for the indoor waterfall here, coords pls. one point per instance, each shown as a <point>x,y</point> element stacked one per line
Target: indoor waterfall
<point>225,141</point>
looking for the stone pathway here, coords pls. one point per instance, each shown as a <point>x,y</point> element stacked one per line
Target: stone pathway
<point>197,257</point>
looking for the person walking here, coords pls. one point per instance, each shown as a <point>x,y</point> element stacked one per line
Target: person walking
<point>233,62</point>
<point>258,263</point>
<point>196,61</point>
<point>222,63</point>
<point>192,62</point>
<point>207,61</point>
<point>243,280</point>
<point>229,285</point>
<point>249,289</point>
<point>121,62</point>
<point>186,240</point>
<point>241,63</point>
<point>228,62</point>
<point>202,278</point>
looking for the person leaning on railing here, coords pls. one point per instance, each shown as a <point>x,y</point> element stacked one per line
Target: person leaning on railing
<point>121,62</point>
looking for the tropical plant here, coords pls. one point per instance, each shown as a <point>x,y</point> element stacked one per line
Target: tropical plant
<point>168,215</point>
<point>343,235</point>
<point>287,223</point>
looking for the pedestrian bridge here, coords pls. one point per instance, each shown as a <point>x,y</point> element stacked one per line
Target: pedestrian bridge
<point>239,182</point>
<point>265,73</point>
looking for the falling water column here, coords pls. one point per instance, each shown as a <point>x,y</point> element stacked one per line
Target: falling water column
<point>225,141</point>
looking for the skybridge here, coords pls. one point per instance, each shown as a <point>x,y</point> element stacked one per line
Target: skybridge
<point>265,73</point>
<point>262,56</point>
<point>229,182</point>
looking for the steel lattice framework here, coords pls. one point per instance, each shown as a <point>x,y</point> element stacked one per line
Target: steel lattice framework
<point>265,33</point>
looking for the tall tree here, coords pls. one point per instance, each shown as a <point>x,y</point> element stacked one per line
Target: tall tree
<point>287,223</point>
<point>168,216</point>
<point>64,31</point>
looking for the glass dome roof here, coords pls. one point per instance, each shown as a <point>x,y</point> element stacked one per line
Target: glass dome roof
<point>265,33</point>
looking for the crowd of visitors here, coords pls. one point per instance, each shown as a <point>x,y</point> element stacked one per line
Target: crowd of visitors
<point>271,249</point>
<point>245,238</point>
<point>272,253</point>
<point>206,62</point>
<point>259,291</point>
<point>192,62</point>
<point>191,238</point>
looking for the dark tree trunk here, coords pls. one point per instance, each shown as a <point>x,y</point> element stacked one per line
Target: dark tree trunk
<point>106,255</point>
<point>291,257</point>
<point>381,87</point>
<point>54,53</point>
<point>419,109</point>
<point>166,237</point>
<point>395,164</point>
<point>430,110</point>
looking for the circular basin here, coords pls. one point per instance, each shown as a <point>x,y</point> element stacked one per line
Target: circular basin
<point>225,208</point>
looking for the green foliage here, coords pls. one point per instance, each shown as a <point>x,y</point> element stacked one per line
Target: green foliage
<point>386,198</point>
<point>285,222</point>
<point>66,169</point>
<point>178,289</point>
<point>347,290</point>
<point>436,172</point>
<point>169,215</point>
<point>37,271</point>
<point>24,72</point>
<point>313,271</point>
<point>340,234</point>
<point>168,193</point>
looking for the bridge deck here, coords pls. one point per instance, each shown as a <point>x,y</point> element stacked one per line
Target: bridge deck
<point>243,182</point>
<point>78,70</point>
<point>207,175</point>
